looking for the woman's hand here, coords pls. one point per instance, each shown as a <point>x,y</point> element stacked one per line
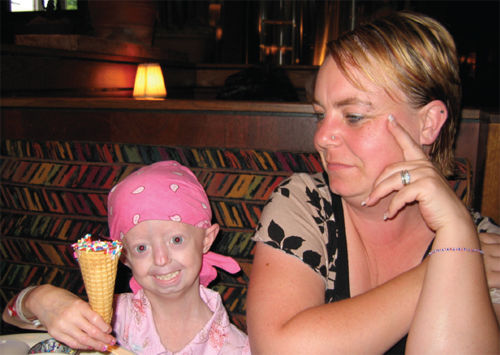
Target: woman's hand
<point>68,319</point>
<point>439,205</point>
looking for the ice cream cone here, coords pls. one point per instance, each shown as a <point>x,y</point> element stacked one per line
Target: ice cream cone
<point>98,263</point>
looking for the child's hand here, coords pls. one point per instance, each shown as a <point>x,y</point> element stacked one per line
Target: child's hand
<point>69,319</point>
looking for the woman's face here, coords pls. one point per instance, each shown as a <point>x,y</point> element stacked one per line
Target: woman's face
<point>363,145</point>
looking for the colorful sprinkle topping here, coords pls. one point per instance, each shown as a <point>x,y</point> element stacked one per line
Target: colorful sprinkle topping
<point>88,245</point>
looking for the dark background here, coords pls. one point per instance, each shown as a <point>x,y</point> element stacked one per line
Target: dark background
<point>474,25</point>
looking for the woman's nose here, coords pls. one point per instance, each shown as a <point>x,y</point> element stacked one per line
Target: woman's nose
<point>161,255</point>
<point>327,133</point>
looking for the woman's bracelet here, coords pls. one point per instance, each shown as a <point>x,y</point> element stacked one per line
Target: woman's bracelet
<point>16,309</point>
<point>457,249</point>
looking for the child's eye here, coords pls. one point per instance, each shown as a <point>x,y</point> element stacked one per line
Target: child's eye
<point>141,248</point>
<point>176,240</point>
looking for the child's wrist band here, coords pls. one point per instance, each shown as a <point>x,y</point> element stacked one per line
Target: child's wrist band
<point>16,309</point>
<point>457,249</point>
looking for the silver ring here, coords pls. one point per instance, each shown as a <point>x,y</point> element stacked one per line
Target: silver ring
<point>405,177</point>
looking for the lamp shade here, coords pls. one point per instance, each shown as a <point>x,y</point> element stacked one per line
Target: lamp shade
<point>149,82</point>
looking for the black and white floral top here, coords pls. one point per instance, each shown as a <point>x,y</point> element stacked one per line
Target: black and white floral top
<point>301,219</point>
<point>304,219</point>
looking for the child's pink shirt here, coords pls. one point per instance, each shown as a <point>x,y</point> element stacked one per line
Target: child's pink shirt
<point>135,330</point>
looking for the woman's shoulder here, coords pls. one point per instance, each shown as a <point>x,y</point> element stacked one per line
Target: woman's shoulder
<point>301,185</point>
<point>316,179</point>
<point>301,197</point>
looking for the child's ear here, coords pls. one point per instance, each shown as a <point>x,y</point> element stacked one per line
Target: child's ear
<point>124,259</point>
<point>434,115</point>
<point>210,234</point>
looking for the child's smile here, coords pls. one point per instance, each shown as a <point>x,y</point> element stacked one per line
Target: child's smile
<point>167,277</point>
<point>165,256</point>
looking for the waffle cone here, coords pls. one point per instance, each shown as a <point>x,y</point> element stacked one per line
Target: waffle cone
<point>99,275</point>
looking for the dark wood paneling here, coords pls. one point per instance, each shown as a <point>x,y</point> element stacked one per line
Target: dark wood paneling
<point>109,104</point>
<point>28,71</point>
<point>210,78</point>
<point>491,191</point>
<point>68,125</point>
<point>210,75</point>
<point>169,122</point>
<point>31,71</point>
<point>471,143</point>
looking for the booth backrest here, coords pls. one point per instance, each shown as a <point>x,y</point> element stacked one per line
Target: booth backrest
<point>53,193</point>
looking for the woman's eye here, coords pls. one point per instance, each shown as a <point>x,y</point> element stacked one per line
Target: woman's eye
<point>354,118</point>
<point>320,116</point>
<point>141,248</point>
<point>176,240</point>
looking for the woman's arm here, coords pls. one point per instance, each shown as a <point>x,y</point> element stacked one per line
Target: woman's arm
<point>66,317</point>
<point>454,314</point>
<point>286,312</point>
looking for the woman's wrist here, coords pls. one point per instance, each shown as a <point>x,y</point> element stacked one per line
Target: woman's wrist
<point>460,235</point>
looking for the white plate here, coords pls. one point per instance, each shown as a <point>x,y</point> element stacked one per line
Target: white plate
<point>13,347</point>
<point>34,338</point>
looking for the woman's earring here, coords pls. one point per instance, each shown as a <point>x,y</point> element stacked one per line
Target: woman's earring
<point>333,137</point>
<point>442,111</point>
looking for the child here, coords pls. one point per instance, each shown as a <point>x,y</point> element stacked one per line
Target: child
<point>162,216</point>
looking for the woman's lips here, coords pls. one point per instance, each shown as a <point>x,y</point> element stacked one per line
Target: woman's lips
<point>337,166</point>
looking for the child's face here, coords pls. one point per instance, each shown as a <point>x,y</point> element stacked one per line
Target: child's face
<point>166,256</point>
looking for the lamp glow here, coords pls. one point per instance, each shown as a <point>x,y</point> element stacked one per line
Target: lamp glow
<point>149,82</point>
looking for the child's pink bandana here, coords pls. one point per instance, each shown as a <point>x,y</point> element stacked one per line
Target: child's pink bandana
<point>164,191</point>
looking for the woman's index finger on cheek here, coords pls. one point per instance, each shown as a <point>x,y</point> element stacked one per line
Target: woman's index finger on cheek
<point>411,149</point>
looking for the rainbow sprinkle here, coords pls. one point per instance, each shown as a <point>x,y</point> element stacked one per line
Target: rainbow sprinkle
<point>88,245</point>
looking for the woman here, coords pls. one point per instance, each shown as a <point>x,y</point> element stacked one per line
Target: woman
<point>387,99</point>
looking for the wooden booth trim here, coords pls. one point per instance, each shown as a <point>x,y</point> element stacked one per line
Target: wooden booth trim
<point>229,107</point>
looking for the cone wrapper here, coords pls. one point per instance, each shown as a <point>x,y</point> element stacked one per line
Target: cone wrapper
<point>99,275</point>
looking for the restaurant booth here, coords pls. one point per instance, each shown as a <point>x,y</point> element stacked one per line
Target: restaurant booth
<point>70,130</point>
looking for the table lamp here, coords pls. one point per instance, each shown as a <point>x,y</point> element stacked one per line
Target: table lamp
<point>149,82</point>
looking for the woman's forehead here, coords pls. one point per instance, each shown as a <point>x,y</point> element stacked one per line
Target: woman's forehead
<point>358,90</point>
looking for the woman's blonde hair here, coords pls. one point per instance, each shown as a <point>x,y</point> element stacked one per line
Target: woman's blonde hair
<point>418,55</point>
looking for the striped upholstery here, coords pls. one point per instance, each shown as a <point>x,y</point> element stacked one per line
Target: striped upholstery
<point>53,193</point>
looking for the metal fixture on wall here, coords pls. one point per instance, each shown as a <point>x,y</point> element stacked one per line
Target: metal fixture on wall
<point>278,29</point>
